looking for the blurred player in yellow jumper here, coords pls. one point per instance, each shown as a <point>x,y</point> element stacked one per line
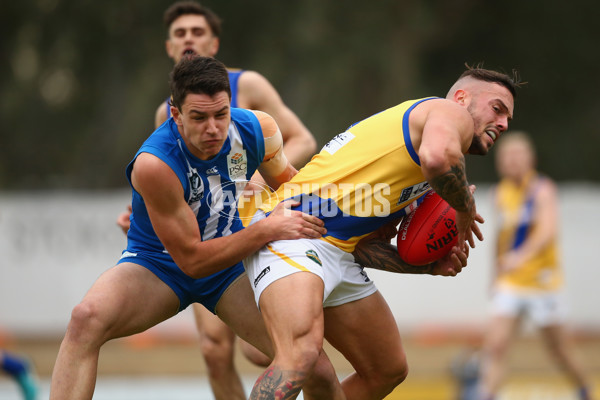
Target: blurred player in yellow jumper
<point>528,277</point>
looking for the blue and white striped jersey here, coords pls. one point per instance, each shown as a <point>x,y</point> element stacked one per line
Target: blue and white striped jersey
<point>211,187</point>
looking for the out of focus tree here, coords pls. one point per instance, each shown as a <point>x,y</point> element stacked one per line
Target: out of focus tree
<point>80,80</point>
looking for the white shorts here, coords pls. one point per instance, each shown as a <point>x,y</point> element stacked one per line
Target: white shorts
<point>544,308</point>
<point>343,278</point>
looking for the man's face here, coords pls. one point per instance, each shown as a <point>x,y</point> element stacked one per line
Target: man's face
<point>191,34</point>
<point>203,123</point>
<point>491,107</point>
<point>514,159</point>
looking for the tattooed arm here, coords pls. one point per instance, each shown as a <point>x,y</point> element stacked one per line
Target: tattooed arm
<point>452,186</point>
<point>446,134</point>
<point>380,254</point>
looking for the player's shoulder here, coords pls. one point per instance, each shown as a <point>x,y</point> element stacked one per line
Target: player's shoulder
<point>546,186</point>
<point>149,167</point>
<point>267,123</point>
<point>253,80</point>
<point>446,107</point>
<point>437,108</point>
<point>443,112</point>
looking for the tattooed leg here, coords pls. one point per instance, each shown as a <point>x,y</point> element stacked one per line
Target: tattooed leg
<point>276,384</point>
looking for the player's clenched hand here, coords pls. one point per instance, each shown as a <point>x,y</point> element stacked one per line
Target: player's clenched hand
<point>453,262</point>
<point>287,224</point>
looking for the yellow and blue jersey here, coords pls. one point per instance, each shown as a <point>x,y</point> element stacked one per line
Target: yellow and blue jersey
<point>362,179</point>
<point>515,205</point>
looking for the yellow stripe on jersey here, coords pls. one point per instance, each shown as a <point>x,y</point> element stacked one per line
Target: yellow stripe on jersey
<point>363,178</point>
<point>287,259</point>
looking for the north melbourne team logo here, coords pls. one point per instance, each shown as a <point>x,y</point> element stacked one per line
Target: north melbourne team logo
<point>196,186</point>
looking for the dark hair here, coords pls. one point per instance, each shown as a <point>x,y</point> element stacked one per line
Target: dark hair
<point>180,8</point>
<point>198,75</point>
<point>488,75</point>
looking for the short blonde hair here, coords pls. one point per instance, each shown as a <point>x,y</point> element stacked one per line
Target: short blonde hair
<point>516,136</point>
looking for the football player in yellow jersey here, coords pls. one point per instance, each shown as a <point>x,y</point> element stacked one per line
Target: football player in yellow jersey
<point>528,276</point>
<point>362,181</point>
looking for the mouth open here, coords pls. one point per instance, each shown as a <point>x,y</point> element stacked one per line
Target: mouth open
<point>491,134</point>
<point>189,52</point>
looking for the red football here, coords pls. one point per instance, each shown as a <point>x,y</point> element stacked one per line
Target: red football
<point>429,232</point>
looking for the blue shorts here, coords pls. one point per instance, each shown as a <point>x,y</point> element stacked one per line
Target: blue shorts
<point>206,291</point>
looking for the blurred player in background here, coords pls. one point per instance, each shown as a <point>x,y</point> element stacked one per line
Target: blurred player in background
<point>20,370</point>
<point>528,277</point>
<point>194,30</point>
<point>308,290</point>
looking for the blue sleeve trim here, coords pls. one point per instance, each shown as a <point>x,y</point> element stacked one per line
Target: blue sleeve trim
<point>406,130</point>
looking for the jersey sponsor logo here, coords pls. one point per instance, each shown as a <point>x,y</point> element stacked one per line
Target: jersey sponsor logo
<point>338,142</point>
<point>237,166</point>
<point>311,254</point>
<point>411,192</point>
<point>212,171</point>
<point>261,275</point>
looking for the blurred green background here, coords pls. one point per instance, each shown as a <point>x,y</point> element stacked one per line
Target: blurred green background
<point>81,79</point>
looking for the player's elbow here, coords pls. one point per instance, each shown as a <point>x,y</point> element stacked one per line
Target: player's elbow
<point>190,265</point>
<point>310,144</point>
<point>302,148</point>
<point>433,164</point>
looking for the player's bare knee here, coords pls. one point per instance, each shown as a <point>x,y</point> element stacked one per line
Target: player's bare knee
<point>496,349</point>
<point>400,375</point>
<point>304,357</point>
<point>395,372</point>
<point>387,375</point>
<point>217,352</point>
<point>85,324</point>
